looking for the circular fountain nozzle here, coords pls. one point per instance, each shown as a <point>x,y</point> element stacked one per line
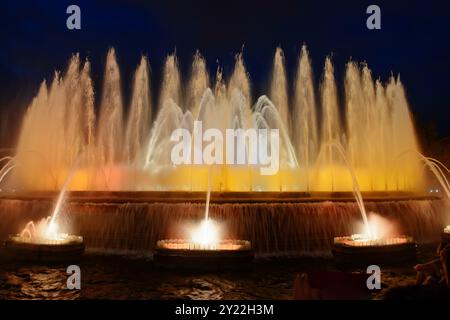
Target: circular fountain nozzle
<point>184,254</point>
<point>358,251</point>
<point>65,248</point>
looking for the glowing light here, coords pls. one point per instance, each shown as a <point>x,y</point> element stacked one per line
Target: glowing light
<point>52,230</point>
<point>447,229</point>
<point>381,232</point>
<point>206,235</point>
<point>44,231</point>
<point>63,238</point>
<point>378,227</point>
<point>181,244</point>
<point>360,240</point>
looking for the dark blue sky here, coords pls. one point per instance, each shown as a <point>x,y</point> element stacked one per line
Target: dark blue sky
<point>413,41</point>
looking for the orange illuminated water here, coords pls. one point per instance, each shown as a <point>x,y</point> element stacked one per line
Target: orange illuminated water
<point>127,146</point>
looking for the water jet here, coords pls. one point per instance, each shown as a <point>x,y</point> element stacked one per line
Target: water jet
<point>43,242</point>
<point>370,247</point>
<point>37,245</point>
<point>205,249</point>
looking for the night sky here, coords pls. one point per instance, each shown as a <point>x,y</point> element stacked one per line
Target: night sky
<point>413,41</point>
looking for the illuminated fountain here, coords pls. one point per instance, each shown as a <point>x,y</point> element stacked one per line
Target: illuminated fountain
<point>128,149</point>
<point>205,249</point>
<point>382,246</point>
<point>377,243</point>
<point>43,241</point>
<point>126,194</point>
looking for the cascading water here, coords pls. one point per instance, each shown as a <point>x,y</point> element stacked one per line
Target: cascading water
<point>272,228</point>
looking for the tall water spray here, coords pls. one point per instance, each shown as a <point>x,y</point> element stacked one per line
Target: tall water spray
<point>368,120</point>
<point>239,94</point>
<point>198,84</point>
<point>304,125</point>
<point>331,126</point>
<point>279,87</point>
<point>374,126</point>
<point>404,133</point>
<point>139,116</point>
<point>58,125</point>
<point>171,83</point>
<point>110,124</point>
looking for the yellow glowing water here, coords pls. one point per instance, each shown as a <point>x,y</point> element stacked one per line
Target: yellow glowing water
<point>60,130</point>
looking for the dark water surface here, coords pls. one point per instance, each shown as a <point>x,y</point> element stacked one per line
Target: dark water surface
<point>121,277</point>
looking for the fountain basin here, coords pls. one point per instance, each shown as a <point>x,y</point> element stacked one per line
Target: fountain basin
<point>183,254</point>
<point>68,248</point>
<point>357,252</point>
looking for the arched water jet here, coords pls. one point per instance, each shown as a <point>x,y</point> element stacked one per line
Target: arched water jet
<point>7,167</point>
<point>9,161</point>
<point>43,242</point>
<point>363,249</point>
<point>169,118</point>
<point>5,158</point>
<point>52,228</point>
<point>273,120</point>
<point>356,188</point>
<point>3,172</point>
<point>435,166</point>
